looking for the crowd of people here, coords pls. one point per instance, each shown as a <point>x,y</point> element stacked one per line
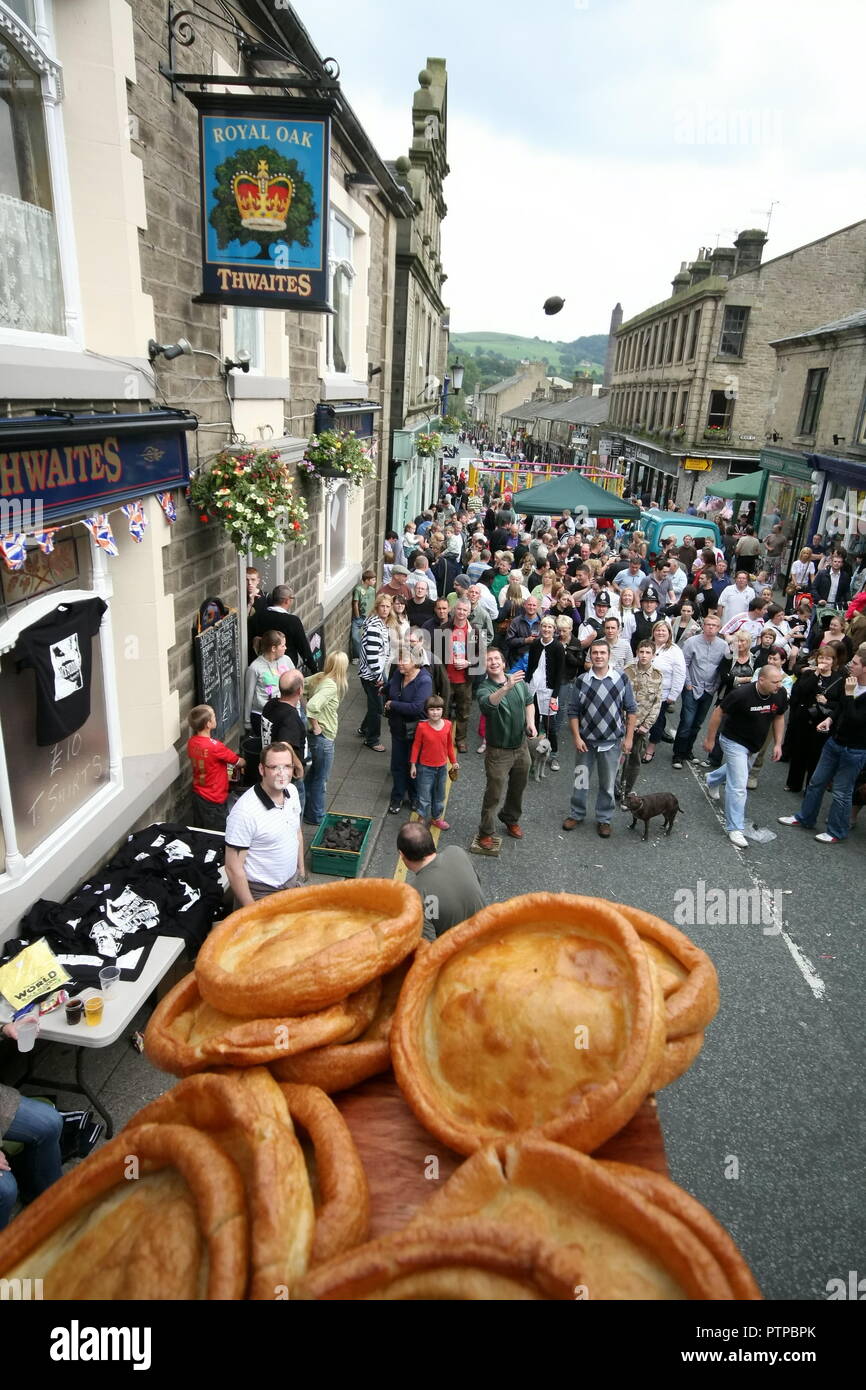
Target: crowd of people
<point>488,624</point>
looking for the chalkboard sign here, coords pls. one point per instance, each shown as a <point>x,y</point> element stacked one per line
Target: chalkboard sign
<point>217,664</point>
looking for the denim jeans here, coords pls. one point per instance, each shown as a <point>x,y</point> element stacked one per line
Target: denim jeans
<point>372,721</point>
<point>692,716</point>
<point>430,790</point>
<point>565,691</point>
<point>403,784</point>
<point>734,772</point>
<point>355,639</point>
<point>322,750</point>
<point>606,765</point>
<point>840,766</point>
<point>659,727</point>
<point>38,1128</point>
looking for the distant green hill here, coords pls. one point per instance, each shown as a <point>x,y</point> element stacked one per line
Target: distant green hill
<point>565,359</point>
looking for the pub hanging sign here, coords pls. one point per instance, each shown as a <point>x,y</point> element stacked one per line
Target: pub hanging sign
<point>264,201</point>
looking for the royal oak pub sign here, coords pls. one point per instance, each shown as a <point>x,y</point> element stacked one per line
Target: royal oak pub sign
<point>264,196</point>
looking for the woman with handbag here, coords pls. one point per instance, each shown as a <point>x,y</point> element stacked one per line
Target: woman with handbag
<point>815,697</point>
<point>410,685</point>
<point>379,631</point>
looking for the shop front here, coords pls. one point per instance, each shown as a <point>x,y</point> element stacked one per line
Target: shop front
<point>413,482</point>
<point>841,511</point>
<point>788,495</point>
<point>87,721</point>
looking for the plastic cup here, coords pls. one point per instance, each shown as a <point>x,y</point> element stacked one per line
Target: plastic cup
<point>28,1028</point>
<point>93,1010</point>
<point>74,1011</point>
<point>108,978</point>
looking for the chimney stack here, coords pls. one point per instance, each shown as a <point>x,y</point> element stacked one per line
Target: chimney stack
<point>615,324</point>
<point>750,248</point>
<point>723,261</point>
<point>582,385</point>
<point>682,279</point>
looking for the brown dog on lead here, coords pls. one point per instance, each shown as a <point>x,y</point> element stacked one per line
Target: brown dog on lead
<point>653,804</point>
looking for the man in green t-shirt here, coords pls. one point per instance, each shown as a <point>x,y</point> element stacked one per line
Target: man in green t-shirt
<point>508,707</point>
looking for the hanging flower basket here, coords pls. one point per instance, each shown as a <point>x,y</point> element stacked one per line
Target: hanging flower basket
<point>335,455</point>
<point>426,445</point>
<point>249,492</point>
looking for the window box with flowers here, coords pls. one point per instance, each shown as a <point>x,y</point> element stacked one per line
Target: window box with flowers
<point>335,455</point>
<point>249,491</point>
<point>426,445</point>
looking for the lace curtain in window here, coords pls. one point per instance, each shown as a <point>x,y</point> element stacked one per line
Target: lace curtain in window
<point>31,295</point>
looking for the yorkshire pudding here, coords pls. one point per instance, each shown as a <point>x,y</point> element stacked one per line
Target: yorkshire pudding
<point>629,1247</point>
<point>246,1114</point>
<point>688,977</point>
<point>678,1055</point>
<point>337,1177</point>
<point>187,1035</point>
<point>295,952</point>
<point>672,1199</point>
<point>345,1064</point>
<point>178,1231</point>
<point>460,1260</point>
<point>538,1013</point>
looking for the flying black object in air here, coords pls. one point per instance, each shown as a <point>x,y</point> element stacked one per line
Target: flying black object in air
<point>553,304</point>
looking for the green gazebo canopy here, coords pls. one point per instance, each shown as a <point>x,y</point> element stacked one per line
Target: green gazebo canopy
<point>576,492</point>
<point>746,489</point>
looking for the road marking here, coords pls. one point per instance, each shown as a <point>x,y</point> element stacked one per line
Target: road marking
<point>800,959</point>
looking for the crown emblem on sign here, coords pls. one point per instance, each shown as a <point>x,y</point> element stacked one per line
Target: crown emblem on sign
<point>263,199</point>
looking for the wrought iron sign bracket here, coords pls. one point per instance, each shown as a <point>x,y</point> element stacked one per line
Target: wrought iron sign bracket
<point>181,32</point>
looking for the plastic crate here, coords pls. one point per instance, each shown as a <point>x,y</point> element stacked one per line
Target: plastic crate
<point>342,863</point>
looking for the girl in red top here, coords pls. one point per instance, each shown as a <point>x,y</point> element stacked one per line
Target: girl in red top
<point>210,761</point>
<point>432,750</point>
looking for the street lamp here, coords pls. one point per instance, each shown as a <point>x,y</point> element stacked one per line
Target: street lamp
<point>455,381</point>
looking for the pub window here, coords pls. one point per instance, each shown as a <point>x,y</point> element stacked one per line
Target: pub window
<point>250,336</point>
<point>812,397</point>
<point>336,533</point>
<point>342,275</point>
<point>31,283</point>
<point>733,331</point>
<point>672,412</point>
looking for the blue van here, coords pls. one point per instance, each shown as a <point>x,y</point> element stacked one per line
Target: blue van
<point>658,525</point>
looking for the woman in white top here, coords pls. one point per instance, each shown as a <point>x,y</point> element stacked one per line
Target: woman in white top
<point>670,661</point>
<point>263,677</point>
<point>627,614</point>
<point>802,572</point>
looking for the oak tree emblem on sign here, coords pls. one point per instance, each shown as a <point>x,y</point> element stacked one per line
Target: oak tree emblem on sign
<point>262,197</point>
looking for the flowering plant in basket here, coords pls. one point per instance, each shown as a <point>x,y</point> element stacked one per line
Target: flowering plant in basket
<point>426,445</point>
<point>333,454</point>
<point>249,491</point>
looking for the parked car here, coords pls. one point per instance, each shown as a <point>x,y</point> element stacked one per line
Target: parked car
<point>658,525</point>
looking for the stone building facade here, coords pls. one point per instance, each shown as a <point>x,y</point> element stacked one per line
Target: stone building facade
<point>85,282</point>
<point>693,374</point>
<point>816,423</point>
<point>497,400</point>
<point>420,315</point>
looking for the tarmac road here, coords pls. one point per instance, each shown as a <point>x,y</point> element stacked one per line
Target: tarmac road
<point>767,1127</point>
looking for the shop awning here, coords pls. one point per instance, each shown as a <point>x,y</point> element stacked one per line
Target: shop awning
<point>577,493</point>
<point>746,489</point>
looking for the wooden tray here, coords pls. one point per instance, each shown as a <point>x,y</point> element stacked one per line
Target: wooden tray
<point>405,1164</point>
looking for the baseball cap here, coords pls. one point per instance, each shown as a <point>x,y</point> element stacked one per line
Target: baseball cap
<point>603,600</point>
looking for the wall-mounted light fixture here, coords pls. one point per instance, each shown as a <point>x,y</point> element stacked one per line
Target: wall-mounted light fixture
<point>168,350</point>
<point>241,361</point>
<point>839,439</point>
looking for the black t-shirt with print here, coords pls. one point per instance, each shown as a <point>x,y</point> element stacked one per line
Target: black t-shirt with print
<point>59,650</point>
<point>281,723</point>
<point>749,714</point>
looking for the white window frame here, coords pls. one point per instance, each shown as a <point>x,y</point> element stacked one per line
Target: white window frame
<point>259,336</point>
<point>332,494</point>
<point>335,264</point>
<point>38,49</point>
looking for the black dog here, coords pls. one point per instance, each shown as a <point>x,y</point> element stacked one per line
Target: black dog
<point>653,804</point>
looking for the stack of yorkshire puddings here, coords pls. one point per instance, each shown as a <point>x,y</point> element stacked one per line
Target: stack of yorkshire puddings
<point>524,1038</point>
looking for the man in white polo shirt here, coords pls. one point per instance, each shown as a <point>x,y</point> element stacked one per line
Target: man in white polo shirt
<point>264,846</point>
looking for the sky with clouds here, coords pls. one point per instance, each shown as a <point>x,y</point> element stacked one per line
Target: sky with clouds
<point>595,144</point>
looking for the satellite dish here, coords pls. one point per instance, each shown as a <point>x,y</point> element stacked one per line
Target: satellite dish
<point>553,304</point>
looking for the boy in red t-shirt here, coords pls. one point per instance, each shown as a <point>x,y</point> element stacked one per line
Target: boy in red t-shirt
<point>432,750</point>
<point>210,779</point>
